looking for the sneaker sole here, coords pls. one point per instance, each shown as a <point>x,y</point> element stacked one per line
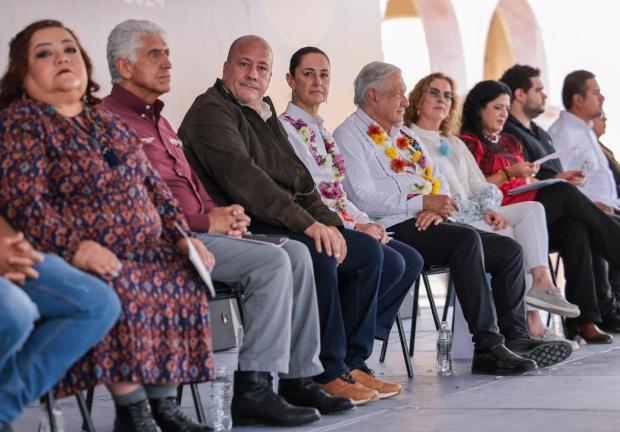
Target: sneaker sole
<point>388,395</point>
<point>358,402</point>
<point>552,308</point>
<point>549,354</point>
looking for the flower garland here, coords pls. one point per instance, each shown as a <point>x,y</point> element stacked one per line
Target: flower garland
<point>399,164</point>
<point>331,190</point>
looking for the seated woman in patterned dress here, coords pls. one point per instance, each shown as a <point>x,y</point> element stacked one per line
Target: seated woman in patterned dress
<point>434,115</point>
<point>76,182</point>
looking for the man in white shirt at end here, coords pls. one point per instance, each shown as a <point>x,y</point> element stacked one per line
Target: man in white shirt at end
<point>391,177</point>
<point>583,100</point>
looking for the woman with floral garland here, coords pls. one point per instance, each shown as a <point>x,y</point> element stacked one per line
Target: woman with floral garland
<point>576,226</point>
<point>309,75</point>
<point>433,115</point>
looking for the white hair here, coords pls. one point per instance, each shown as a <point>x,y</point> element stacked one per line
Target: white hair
<point>123,41</point>
<point>372,76</point>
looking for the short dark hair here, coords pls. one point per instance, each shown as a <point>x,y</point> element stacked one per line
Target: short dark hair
<point>575,83</point>
<point>298,56</point>
<point>520,77</point>
<point>477,98</point>
<point>12,82</point>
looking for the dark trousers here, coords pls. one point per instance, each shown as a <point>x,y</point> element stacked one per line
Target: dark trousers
<point>471,253</point>
<point>346,296</point>
<point>402,265</point>
<point>579,231</point>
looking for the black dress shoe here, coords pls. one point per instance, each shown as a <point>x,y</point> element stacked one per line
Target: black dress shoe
<point>499,360</point>
<point>544,353</point>
<point>305,392</point>
<point>6,428</point>
<point>135,418</point>
<point>611,323</point>
<point>170,418</point>
<point>255,403</point>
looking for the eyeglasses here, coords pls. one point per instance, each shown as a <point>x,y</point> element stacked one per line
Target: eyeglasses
<point>436,93</point>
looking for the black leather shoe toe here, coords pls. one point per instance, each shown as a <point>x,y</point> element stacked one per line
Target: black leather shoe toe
<point>171,419</point>
<point>499,360</point>
<point>135,417</point>
<point>305,392</point>
<point>255,403</point>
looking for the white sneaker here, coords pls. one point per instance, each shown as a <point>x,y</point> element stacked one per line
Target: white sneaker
<point>551,301</point>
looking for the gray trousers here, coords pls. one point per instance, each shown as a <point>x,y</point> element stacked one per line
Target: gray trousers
<point>281,318</point>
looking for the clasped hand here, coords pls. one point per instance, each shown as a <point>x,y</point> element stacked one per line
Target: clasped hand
<point>230,220</point>
<point>17,258</point>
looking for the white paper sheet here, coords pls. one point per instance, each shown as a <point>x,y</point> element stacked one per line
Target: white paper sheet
<point>555,155</point>
<point>195,259</point>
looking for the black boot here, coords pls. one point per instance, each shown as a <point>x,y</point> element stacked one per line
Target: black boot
<point>499,360</point>
<point>135,417</point>
<point>171,419</point>
<point>305,392</point>
<point>255,403</point>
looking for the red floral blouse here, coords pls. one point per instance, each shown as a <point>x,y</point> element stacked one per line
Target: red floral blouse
<point>508,151</point>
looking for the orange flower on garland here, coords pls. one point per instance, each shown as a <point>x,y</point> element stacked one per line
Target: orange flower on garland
<point>403,143</point>
<point>398,165</point>
<point>377,134</point>
<point>436,187</point>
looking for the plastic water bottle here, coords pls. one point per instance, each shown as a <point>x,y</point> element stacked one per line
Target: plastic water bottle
<point>221,398</point>
<point>44,419</point>
<point>444,349</point>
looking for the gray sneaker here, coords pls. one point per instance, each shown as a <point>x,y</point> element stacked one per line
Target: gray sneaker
<point>551,301</point>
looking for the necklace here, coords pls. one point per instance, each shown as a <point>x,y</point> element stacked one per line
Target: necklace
<point>493,137</point>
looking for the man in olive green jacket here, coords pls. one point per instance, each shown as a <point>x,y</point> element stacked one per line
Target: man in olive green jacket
<point>237,147</point>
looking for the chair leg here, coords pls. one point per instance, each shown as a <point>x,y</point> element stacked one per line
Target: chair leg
<point>239,297</point>
<point>383,351</point>
<point>449,299</point>
<point>179,394</point>
<point>49,406</point>
<point>414,316</point>
<point>90,398</point>
<point>200,412</point>
<point>87,424</point>
<point>554,270</point>
<point>403,344</point>
<point>431,300</point>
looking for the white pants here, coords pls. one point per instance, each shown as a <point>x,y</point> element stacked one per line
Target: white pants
<point>527,224</point>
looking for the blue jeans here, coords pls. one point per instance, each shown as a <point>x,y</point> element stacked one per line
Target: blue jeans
<point>76,311</point>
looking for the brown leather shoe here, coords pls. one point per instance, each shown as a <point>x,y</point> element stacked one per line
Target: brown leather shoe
<point>384,388</point>
<point>346,386</point>
<point>590,333</point>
